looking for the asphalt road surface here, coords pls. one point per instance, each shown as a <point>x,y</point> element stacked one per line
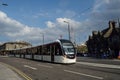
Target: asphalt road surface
<point>82,70</point>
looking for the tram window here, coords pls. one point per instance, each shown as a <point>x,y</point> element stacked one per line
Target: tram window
<point>17,51</point>
<point>57,49</point>
<point>28,51</point>
<point>52,49</point>
<point>24,51</point>
<point>39,50</point>
<point>44,50</point>
<point>20,51</point>
<point>58,52</point>
<point>34,50</point>
<point>48,49</point>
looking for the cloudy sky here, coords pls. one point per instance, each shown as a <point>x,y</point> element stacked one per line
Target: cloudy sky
<point>27,20</point>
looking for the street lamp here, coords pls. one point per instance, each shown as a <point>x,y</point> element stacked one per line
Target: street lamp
<point>68,29</point>
<point>42,37</point>
<point>42,45</point>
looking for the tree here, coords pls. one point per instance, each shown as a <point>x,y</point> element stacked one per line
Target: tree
<point>82,49</point>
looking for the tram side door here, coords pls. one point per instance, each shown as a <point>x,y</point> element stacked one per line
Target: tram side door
<point>52,52</point>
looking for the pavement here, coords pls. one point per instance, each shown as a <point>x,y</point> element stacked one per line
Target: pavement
<point>6,73</point>
<point>99,61</point>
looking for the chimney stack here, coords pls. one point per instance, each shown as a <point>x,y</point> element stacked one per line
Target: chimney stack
<point>112,24</point>
<point>118,23</point>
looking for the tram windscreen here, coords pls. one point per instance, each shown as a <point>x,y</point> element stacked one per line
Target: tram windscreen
<point>68,47</point>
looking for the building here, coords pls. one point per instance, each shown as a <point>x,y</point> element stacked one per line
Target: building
<point>105,43</point>
<point>13,45</point>
<point>82,50</point>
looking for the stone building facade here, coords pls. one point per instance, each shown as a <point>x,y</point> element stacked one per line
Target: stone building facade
<point>13,45</point>
<point>105,43</point>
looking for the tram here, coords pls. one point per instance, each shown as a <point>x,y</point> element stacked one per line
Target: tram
<point>59,51</point>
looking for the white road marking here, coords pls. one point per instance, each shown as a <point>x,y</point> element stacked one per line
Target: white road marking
<point>100,65</point>
<point>25,62</point>
<point>116,60</point>
<point>45,66</point>
<point>3,56</point>
<point>30,67</point>
<point>83,74</point>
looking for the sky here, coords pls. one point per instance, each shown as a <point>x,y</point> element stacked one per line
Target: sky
<point>28,20</point>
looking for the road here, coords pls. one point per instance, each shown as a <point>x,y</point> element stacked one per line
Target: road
<point>38,70</point>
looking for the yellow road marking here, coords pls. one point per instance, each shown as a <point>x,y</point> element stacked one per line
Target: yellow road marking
<point>18,71</point>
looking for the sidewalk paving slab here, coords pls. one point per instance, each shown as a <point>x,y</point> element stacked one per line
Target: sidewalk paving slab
<point>8,74</point>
